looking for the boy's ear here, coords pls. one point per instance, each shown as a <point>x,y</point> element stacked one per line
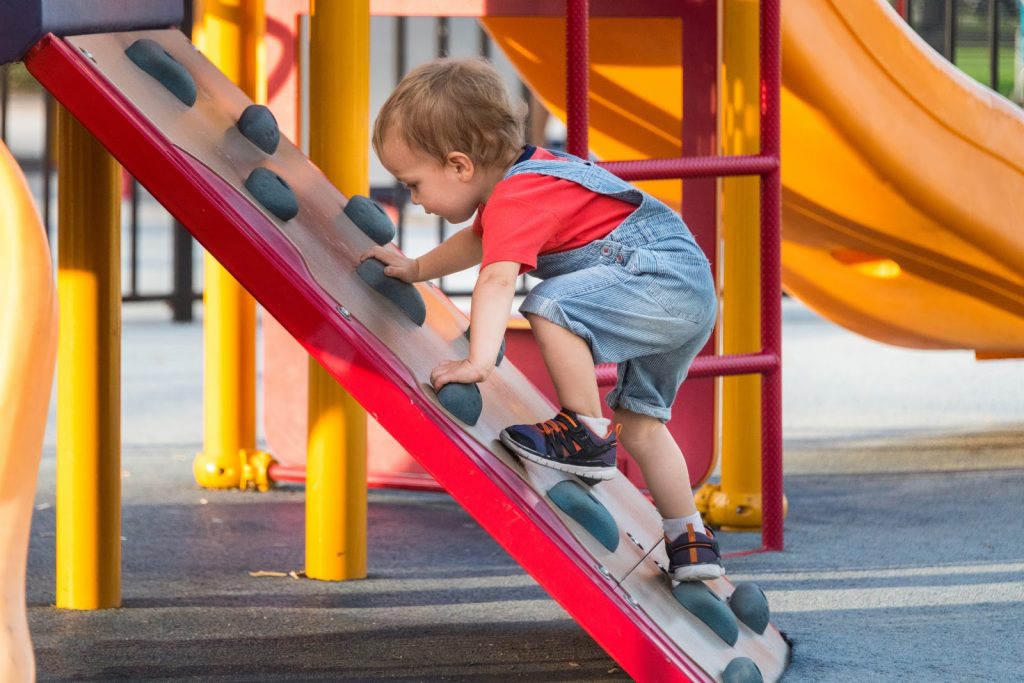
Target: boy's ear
<point>461,164</point>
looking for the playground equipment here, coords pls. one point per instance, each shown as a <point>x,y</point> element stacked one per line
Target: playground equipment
<point>693,424</point>
<point>902,182</point>
<point>977,281</point>
<point>903,185</point>
<point>28,347</point>
<point>194,158</point>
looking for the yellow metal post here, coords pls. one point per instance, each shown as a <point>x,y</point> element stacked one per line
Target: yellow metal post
<point>88,371</point>
<point>736,502</point>
<point>230,34</point>
<point>339,145</point>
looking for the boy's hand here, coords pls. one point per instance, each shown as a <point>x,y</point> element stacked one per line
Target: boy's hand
<point>457,371</point>
<point>396,265</point>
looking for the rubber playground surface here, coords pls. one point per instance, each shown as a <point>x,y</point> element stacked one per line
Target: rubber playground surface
<point>902,561</point>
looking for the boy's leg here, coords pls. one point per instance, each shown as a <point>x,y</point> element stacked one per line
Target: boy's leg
<point>664,468</point>
<point>692,549</point>
<point>570,366</point>
<point>578,439</point>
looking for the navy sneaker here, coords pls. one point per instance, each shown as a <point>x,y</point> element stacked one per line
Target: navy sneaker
<point>694,556</point>
<point>564,443</point>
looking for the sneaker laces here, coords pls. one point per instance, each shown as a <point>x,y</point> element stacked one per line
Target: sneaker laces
<point>568,437</point>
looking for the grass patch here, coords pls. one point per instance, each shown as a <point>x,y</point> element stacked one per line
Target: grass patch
<point>974,61</point>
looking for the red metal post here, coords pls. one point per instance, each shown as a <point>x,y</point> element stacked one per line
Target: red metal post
<point>695,417</point>
<point>577,66</point>
<point>771,281</point>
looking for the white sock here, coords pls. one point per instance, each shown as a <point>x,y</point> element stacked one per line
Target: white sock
<point>676,527</point>
<point>598,425</point>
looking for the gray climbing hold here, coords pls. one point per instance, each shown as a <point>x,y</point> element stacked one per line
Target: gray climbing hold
<point>152,58</point>
<point>273,193</point>
<point>402,294</point>
<point>705,604</point>
<point>750,606</point>
<point>259,126</point>
<point>371,219</point>
<point>742,670</point>
<point>462,400</point>
<point>501,349</point>
<point>581,505</point>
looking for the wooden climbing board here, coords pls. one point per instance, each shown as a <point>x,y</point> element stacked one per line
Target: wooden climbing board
<point>194,160</point>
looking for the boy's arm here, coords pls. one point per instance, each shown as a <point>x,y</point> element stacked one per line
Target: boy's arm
<point>462,250</point>
<point>492,300</point>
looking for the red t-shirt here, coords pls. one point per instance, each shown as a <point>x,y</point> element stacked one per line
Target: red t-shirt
<point>531,214</point>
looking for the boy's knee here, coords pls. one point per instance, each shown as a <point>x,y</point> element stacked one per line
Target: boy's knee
<point>636,425</point>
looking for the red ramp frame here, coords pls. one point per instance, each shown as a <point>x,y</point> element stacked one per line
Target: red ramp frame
<point>299,271</point>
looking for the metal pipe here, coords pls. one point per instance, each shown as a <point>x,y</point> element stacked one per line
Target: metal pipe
<point>336,503</point>
<point>949,44</point>
<point>232,33</point>
<point>692,167</point>
<point>400,67</point>
<point>771,280</point>
<point>48,136</point>
<point>133,239</point>
<point>88,372</point>
<point>993,44</point>
<point>4,77</point>
<point>577,67</point>
<point>709,366</point>
<point>441,35</point>
<point>182,294</point>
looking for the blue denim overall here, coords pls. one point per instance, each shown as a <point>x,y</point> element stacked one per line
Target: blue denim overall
<point>643,297</point>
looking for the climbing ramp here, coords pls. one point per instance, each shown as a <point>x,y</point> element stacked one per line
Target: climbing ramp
<point>268,215</point>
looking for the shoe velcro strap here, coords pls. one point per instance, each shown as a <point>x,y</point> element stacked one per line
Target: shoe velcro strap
<point>695,544</point>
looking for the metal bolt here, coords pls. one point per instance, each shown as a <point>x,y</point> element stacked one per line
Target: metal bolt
<point>344,313</point>
<point>633,538</point>
<point>633,601</point>
<point>88,54</point>
<point>604,570</point>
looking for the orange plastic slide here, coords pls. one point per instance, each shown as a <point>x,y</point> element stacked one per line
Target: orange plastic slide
<point>903,179</point>
<point>28,353</point>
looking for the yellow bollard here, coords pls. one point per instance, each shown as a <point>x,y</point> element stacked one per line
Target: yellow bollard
<point>736,502</point>
<point>88,372</point>
<point>28,348</point>
<point>339,145</point>
<point>230,34</point>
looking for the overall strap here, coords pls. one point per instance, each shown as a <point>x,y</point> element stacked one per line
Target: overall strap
<point>572,168</point>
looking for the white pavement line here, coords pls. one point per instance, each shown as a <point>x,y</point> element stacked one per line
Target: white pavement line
<point>842,599</point>
<point>884,573</point>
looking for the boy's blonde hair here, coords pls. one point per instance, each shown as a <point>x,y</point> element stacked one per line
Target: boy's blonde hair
<point>453,105</point>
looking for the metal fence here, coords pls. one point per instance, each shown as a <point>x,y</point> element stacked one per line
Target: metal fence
<point>159,257</point>
<point>948,25</point>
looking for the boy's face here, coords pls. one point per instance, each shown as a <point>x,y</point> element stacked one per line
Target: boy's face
<point>451,190</point>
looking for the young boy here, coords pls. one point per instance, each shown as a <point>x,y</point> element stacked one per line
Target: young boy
<point>623,282</point>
